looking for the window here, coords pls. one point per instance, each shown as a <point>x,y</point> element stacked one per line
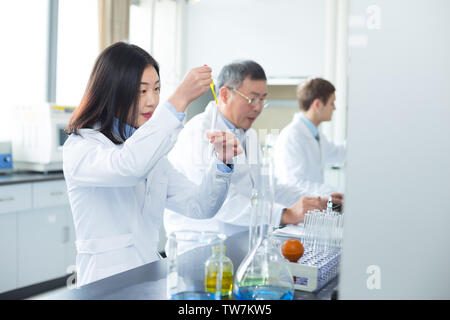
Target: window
<point>23,57</point>
<point>77,48</point>
<point>23,62</point>
<point>153,27</point>
<point>141,23</point>
<point>166,44</point>
<point>38,64</point>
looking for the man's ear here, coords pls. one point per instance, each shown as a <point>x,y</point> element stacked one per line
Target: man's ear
<point>317,104</point>
<point>224,94</point>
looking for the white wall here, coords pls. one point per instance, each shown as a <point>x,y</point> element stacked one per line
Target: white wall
<point>285,36</point>
<point>398,161</point>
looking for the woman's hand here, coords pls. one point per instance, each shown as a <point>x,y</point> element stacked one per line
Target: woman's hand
<point>195,83</point>
<point>225,144</point>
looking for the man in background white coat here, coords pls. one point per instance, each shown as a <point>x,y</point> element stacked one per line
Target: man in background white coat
<point>301,151</point>
<point>242,95</point>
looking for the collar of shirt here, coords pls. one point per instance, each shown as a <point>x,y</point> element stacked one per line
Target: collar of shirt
<point>239,133</point>
<point>231,126</point>
<point>311,126</point>
<point>129,130</point>
<point>227,122</point>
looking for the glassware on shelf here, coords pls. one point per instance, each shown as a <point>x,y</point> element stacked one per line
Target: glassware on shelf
<point>263,274</point>
<point>186,272</point>
<point>212,268</point>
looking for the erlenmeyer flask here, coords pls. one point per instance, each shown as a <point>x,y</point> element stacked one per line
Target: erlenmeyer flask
<point>263,274</point>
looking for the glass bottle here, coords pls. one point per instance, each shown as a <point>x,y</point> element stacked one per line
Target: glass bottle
<point>186,270</point>
<point>263,274</point>
<point>212,269</point>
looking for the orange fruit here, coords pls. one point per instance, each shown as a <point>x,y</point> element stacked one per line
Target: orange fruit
<point>292,249</point>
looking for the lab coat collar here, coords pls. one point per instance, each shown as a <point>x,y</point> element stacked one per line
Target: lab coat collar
<point>95,133</point>
<point>225,121</point>
<point>245,137</point>
<point>301,125</point>
<point>311,126</point>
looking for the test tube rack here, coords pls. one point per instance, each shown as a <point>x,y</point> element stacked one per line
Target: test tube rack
<point>321,236</point>
<point>315,269</point>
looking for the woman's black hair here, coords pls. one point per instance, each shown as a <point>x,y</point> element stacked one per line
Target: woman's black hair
<point>113,91</point>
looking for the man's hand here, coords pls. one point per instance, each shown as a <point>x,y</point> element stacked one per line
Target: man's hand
<point>296,213</point>
<point>225,144</point>
<point>195,83</point>
<point>337,198</point>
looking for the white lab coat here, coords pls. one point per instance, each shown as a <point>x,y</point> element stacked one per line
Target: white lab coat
<point>190,156</point>
<point>118,193</point>
<point>300,160</point>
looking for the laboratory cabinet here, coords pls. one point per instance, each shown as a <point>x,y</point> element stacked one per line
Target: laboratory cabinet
<point>41,245</point>
<point>16,197</point>
<point>37,233</point>
<point>8,245</point>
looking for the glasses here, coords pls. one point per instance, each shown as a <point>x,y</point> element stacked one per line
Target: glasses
<point>252,101</point>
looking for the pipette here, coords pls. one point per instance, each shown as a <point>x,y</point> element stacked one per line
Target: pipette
<point>330,204</point>
<point>213,92</point>
<point>215,108</point>
<point>213,125</point>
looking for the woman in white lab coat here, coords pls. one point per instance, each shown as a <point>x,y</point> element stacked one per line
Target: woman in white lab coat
<point>117,174</point>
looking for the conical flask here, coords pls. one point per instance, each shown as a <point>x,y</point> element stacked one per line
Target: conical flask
<point>263,275</point>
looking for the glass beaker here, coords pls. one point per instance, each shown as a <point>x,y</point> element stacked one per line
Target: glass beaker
<point>186,268</point>
<point>263,274</point>
<point>212,268</point>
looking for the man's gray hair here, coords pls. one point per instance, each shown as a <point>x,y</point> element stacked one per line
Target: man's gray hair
<point>233,74</point>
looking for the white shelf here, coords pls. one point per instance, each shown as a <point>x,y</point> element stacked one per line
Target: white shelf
<point>282,103</point>
<point>285,81</point>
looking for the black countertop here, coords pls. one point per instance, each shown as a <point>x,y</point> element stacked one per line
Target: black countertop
<point>148,282</point>
<point>28,176</point>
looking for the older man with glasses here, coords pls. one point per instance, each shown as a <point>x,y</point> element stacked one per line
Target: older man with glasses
<point>242,89</point>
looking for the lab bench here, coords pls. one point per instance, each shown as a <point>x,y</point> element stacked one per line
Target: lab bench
<point>148,282</point>
<point>36,229</point>
<point>28,177</point>
<point>38,251</point>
